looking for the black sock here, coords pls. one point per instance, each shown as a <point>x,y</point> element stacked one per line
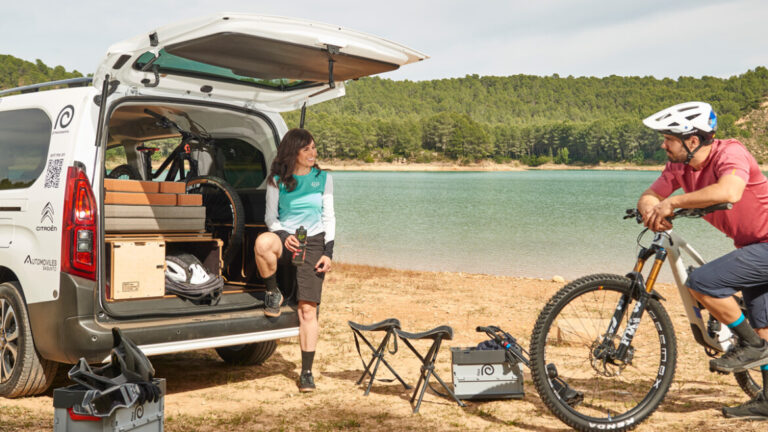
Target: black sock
<point>271,282</point>
<point>747,334</point>
<point>765,383</point>
<point>307,357</point>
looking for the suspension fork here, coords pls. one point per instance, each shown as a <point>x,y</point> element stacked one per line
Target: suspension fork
<point>640,290</point>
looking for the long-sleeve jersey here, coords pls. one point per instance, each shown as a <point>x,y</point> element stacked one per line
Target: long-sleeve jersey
<point>310,205</point>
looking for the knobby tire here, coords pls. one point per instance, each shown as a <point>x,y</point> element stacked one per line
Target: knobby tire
<point>224,212</point>
<point>566,333</point>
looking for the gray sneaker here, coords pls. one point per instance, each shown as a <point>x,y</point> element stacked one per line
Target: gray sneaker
<point>306,382</point>
<point>756,409</point>
<point>272,302</point>
<point>740,358</point>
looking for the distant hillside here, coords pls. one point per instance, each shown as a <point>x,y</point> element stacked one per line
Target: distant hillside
<point>15,72</point>
<point>530,118</point>
<point>754,131</point>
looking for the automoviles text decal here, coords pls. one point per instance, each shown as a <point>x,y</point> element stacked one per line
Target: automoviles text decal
<point>45,264</point>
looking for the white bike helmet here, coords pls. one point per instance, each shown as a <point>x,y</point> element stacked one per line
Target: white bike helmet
<point>684,120</point>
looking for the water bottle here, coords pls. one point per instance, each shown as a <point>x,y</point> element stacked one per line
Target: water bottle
<point>298,256</point>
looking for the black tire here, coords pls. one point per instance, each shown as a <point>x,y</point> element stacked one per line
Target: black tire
<point>22,371</point>
<point>614,398</point>
<point>124,172</point>
<point>224,213</point>
<point>248,354</point>
<point>747,383</point>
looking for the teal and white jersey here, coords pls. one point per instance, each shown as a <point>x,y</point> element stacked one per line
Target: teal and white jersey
<point>310,205</point>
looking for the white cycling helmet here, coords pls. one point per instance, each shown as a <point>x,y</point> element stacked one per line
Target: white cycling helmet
<point>684,120</point>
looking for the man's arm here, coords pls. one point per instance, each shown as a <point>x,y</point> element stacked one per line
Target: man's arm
<point>728,189</point>
<point>647,205</point>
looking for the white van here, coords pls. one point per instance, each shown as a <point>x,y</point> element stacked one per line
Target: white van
<point>80,255</point>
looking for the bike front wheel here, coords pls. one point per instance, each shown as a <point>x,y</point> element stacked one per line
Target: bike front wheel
<point>568,345</point>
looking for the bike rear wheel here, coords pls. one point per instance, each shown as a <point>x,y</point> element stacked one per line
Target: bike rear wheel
<point>563,344</point>
<point>224,213</point>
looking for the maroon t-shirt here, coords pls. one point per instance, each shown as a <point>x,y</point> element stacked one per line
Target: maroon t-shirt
<point>747,222</point>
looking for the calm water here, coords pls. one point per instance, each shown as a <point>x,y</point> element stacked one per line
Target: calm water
<point>530,223</point>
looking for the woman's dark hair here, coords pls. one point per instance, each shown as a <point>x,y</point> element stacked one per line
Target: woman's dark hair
<point>285,161</point>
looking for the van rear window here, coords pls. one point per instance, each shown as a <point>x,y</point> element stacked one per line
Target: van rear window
<point>242,165</point>
<point>24,139</point>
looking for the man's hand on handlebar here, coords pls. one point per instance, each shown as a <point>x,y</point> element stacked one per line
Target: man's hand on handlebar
<point>655,218</point>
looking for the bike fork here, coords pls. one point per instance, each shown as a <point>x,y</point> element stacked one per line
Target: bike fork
<point>641,291</point>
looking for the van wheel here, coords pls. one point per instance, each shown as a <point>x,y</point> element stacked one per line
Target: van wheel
<point>248,354</point>
<point>22,371</point>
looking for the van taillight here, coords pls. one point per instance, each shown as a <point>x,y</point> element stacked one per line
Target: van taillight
<point>78,238</point>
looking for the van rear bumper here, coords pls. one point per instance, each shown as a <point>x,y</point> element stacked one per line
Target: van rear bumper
<point>66,329</point>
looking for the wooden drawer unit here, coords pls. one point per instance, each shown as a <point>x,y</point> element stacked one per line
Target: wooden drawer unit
<point>136,262</point>
<point>136,269</point>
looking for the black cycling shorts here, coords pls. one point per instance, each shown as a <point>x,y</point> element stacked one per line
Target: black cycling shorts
<point>744,270</point>
<point>308,282</point>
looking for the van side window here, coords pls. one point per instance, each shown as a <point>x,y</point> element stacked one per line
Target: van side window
<point>241,164</point>
<point>24,139</point>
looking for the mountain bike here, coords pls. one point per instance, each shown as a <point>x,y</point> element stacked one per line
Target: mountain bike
<point>609,337</point>
<point>224,211</point>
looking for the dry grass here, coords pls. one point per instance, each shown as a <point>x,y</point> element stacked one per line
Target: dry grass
<point>206,395</point>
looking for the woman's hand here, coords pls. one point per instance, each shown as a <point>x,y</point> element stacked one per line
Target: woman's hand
<point>323,264</point>
<point>292,243</point>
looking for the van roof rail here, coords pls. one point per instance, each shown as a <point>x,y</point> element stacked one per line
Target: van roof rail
<point>72,82</point>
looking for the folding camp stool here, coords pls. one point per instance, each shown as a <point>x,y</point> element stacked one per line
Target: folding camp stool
<point>388,325</point>
<point>437,334</point>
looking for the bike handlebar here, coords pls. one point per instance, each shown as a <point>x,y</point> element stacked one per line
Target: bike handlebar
<point>690,213</point>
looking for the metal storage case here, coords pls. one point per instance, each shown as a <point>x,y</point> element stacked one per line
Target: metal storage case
<point>485,374</point>
<point>148,417</point>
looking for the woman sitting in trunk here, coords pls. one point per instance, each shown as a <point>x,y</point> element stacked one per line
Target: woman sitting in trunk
<point>299,194</point>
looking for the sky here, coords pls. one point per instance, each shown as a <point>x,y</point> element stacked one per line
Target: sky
<point>661,38</point>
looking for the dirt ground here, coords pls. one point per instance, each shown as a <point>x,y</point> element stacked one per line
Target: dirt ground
<point>206,395</point>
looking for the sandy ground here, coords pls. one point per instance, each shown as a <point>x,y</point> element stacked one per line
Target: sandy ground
<point>206,395</point>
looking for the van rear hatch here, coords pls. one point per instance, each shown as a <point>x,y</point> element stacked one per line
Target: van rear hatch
<point>278,63</point>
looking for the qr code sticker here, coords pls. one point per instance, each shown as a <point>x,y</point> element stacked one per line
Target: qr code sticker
<point>53,173</point>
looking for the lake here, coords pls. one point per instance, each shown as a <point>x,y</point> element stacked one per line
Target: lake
<point>526,223</point>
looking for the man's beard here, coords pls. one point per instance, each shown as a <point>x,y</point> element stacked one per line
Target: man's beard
<point>676,159</point>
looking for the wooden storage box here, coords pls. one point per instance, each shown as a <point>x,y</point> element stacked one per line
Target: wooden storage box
<point>136,271</point>
<point>137,268</point>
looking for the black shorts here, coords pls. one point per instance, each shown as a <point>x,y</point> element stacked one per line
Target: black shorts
<point>744,270</point>
<point>308,282</point>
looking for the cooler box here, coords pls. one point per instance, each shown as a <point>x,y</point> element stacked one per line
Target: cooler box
<point>148,417</point>
<point>485,374</point>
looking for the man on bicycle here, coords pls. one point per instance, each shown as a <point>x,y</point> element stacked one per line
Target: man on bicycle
<point>712,171</point>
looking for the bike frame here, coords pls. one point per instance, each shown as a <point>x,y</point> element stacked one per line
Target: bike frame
<point>669,245</point>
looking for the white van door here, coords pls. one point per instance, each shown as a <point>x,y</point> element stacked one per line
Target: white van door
<point>275,63</point>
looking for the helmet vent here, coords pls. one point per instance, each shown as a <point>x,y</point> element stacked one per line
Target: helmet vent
<point>674,124</point>
<point>688,108</point>
<point>692,116</point>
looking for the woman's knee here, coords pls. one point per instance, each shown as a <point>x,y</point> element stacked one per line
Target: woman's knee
<point>267,243</point>
<point>307,311</point>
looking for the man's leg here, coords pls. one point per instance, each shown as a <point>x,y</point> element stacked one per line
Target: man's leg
<point>714,285</point>
<point>267,251</point>
<point>309,330</point>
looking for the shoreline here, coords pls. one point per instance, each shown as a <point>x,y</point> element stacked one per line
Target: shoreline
<point>485,166</point>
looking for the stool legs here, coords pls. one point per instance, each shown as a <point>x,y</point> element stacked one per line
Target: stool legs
<point>378,358</point>
<point>427,371</point>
